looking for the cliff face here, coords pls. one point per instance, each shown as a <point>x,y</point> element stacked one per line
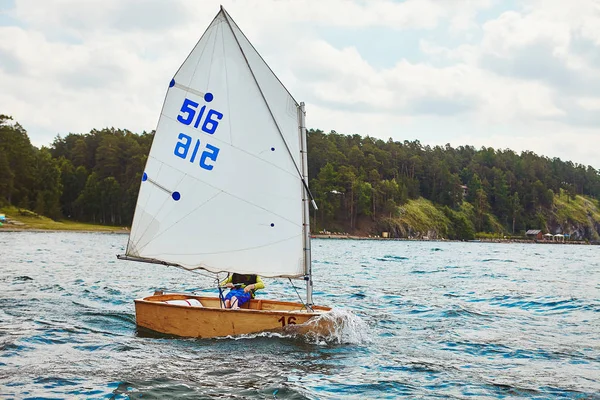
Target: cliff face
<point>578,216</point>
<point>578,231</point>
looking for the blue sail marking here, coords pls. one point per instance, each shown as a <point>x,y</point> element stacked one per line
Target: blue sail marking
<point>208,121</point>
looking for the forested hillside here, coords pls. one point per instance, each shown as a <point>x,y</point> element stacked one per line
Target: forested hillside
<point>93,177</point>
<point>411,189</point>
<point>361,184</point>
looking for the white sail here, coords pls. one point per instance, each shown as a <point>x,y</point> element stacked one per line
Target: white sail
<point>222,189</point>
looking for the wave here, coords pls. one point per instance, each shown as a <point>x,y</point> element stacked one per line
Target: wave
<point>23,278</point>
<point>545,305</point>
<point>391,258</point>
<point>420,271</point>
<point>541,305</point>
<point>325,262</point>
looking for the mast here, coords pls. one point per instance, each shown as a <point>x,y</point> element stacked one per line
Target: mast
<point>306,198</point>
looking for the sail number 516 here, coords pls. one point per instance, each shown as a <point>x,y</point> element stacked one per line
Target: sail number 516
<point>188,112</point>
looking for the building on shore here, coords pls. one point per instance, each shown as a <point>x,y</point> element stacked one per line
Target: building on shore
<point>535,234</point>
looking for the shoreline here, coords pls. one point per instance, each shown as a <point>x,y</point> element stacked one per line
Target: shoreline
<point>38,230</point>
<point>353,237</point>
<point>123,231</point>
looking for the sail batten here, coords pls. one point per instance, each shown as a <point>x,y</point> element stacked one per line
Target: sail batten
<point>222,188</point>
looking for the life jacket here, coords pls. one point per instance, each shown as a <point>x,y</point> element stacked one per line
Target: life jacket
<point>243,279</point>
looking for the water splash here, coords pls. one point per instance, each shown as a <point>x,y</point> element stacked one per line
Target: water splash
<point>338,326</point>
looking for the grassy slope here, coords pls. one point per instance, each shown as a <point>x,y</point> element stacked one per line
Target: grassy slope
<point>581,210</point>
<point>34,221</point>
<point>416,218</point>
<point>421,215</point>
<point>577,210</point>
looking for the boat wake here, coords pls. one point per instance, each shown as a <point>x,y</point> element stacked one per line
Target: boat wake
<point>337,326</point>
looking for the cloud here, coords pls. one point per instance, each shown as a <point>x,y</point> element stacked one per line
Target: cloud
<point>341,78</point>
<point>441,106</point>
<point>10,63</point>
<point>544,46</point>
<point>543,138</point>
<point>478,70</point>
<point>93,15</point>
<point>399,15</point>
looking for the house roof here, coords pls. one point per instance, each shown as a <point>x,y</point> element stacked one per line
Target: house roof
<point>533,232</point>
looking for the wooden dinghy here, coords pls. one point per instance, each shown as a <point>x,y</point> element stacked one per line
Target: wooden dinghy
<point>225,189</point>
<point>204,318</point>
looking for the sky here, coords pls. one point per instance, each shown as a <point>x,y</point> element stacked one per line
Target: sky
<point>523,75</point>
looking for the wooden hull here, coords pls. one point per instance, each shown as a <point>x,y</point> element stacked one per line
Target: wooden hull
<point>209,320</point>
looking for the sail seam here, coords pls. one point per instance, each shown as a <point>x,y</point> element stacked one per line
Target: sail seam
<point>201,54</point>
<point>188,90</point>
<point>255,205</point>
<point>159,234</point>
<point>228,18</point>
<point>212,56</point>
<point>241,199</point>
<point>227,86</point>
<point>136,243</point>
<point>220,191</point>
<point>231,251</point>
<point>139,249</point>
<point>194,48</point>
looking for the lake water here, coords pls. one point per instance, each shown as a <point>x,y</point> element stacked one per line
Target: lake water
<point>420,320</point>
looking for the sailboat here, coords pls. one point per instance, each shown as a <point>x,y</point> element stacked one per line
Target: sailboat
<point>225,189</point>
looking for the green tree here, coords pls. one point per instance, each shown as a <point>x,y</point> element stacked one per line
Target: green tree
<point>19,156</point>
<point>515,209</point>
<point>109,201</point>
<point>7,178</point>
<point>349,181</point>
<point>481,206</point>
<point>324,189</point>
<point>88,202</point>
<point>48,186</point>
<point>500,202</point>
<point>364,193</point>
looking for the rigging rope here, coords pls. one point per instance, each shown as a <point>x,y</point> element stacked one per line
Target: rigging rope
<point>298,294</point>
